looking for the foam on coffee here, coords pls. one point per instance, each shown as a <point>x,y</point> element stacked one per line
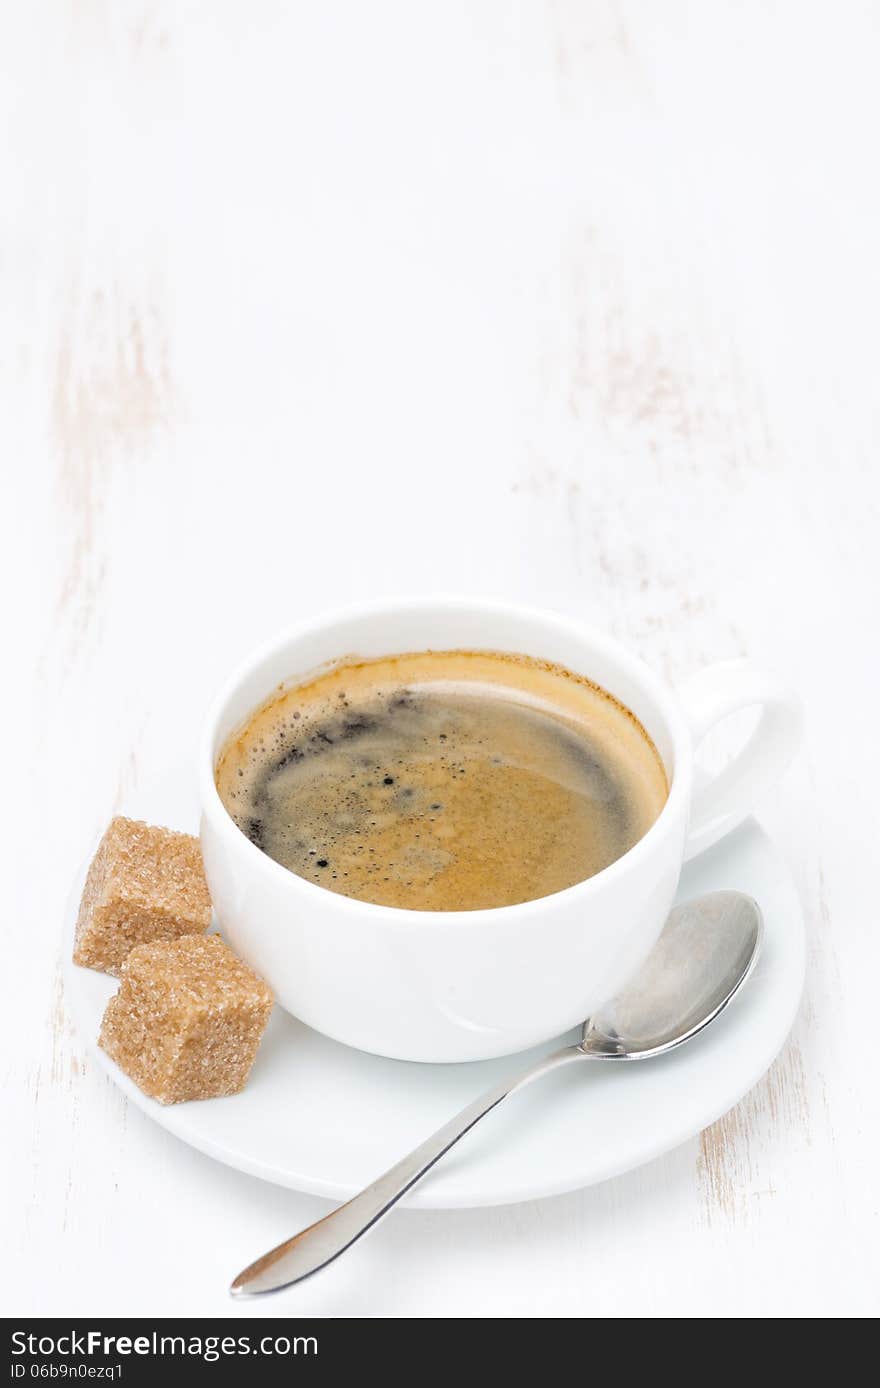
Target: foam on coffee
<point>443,780</point>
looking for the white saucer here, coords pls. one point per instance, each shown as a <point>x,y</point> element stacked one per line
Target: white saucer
<point>320,1117</point>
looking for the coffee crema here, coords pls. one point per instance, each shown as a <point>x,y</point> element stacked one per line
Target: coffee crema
<point>443,780</point>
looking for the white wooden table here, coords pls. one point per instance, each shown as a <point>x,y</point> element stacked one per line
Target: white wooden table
<point>573,303</point>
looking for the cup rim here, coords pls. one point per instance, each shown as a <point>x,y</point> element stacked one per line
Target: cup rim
<point>661,696</point>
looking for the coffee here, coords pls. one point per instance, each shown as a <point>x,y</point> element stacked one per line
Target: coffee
<point>444,780</point>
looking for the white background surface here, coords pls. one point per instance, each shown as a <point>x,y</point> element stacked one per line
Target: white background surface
<point>572,303</point>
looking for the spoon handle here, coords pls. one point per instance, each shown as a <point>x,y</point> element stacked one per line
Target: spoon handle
<point>313,1248</point>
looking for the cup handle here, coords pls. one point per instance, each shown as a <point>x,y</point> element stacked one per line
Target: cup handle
<point>723,801</point>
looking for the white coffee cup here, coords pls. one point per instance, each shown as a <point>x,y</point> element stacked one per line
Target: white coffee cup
<point>466,985</point>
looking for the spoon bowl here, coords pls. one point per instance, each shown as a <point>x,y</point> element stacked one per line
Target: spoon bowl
<point>707,950</point>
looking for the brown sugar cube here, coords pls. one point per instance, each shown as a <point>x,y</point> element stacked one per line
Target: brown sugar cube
<point>144,883</point>
<point>187,1020</point>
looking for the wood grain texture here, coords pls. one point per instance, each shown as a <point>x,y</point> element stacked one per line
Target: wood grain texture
<point>567,301</point>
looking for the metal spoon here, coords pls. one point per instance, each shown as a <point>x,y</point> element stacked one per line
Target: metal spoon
<point>705,954</point>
